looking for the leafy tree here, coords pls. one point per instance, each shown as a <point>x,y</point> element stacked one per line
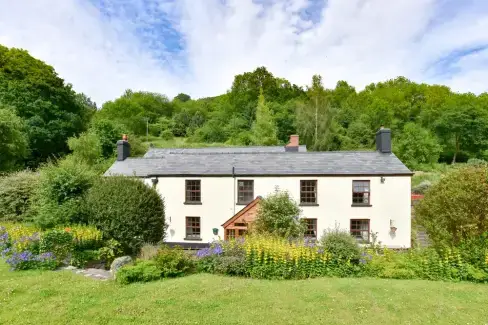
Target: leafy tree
<point>264,128</point>
<point>59,196</point>
<point>50,108</point>
<point>134,109</point>
<point>183,97</point>
<point>315,117</point>
<point>463,125</point>
<point>13,141</point>
<point>108,134</point>
<point>279,214</point>
<point>358,136</point>
<point>417,145</point>
<point>86,148</point>
<point>456,208</point>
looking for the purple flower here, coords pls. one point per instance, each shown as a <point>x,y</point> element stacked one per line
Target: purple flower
<point>217,250</point>
<point>203,252</point>
<point>5,252</point>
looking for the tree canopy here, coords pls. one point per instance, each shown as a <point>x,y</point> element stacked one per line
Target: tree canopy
<point>51,110</point>
<point>429,123</point>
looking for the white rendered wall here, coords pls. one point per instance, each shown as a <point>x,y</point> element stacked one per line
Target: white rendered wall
<point>390,201</point>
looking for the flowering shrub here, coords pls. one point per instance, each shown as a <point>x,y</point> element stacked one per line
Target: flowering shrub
<point>59,242</point>
<point>85,237</point>
<point>223,258</point>
<point>429,264</point>
<point>25,246</point>
<point>20,248</point>
<point>271,257</point>
<point>27,261</point>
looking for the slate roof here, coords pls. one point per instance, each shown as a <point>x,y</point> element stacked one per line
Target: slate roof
<point>333,163</point>
<point>158,153</point>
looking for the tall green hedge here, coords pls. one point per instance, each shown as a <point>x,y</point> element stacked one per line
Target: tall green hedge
<point>127,210</point>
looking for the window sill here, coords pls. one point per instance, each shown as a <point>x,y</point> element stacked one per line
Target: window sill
<point>194,239</point>
<point>192,203</point>
<point>309,204</point>
<point>360,205</point>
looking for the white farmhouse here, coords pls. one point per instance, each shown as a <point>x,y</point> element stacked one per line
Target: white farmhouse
<point>213,193</point>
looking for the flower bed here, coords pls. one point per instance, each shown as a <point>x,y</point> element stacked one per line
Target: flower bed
<point>274,258</point>
<point>26,247</point>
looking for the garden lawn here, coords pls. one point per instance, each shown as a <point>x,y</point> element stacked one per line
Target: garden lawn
<point>62,297</point>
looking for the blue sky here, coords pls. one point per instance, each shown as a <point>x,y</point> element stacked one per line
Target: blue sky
<point>103,47</point>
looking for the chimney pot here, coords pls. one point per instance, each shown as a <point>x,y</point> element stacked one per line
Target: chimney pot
<point>123,148</point>
<point>294,141</point>
<point>383,140</point>
<point>293,144</point>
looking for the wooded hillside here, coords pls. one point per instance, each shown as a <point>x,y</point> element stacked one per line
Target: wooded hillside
<point>430,123</point>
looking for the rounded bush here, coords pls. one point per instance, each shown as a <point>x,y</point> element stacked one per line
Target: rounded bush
<point>126,210</point>
<point>167,135</point>
<point>16,191</point>
<point>340,244</point>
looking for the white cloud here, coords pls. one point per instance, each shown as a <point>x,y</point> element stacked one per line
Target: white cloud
<point>360,41</point>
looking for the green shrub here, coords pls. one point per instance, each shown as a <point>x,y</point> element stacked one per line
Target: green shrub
<point>455,208</point>
<point>340,244</point>
<point>422,187</point>
<point>58,197</point>
<point>477,162</point>
<point>16,191</point>
<point>173,262</point>
<point>126,210</point>
<point>142,271</point>
<point>474,250</point>
<point>278,214</point>
<point>58,242</point>
<point>109,252</point>
<point>167,135</point>
<point>230,265</point>
<point>81,258</point>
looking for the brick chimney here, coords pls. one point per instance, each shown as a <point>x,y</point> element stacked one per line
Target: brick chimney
<point>294,143</point>
<point>383,140</point>
<point>123,148</point>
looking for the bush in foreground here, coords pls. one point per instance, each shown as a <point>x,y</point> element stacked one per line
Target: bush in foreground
<point>279,214</point>
<point>27,247</point>
<point>455,209</point>
<point>126,210</point>
<point>141,271</point>
<point>340,244</point>
<point>59,196</point>
<point>16,191</point>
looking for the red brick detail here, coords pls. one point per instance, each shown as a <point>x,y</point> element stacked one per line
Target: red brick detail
<point>294,141</point>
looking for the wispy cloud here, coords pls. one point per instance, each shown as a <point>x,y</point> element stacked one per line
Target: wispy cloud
<point>197,46</point>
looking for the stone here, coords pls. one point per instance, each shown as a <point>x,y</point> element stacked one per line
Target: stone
<point>119,262</point>
<point>70,267</point>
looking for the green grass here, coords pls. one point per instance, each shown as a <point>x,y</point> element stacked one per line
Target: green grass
<point>62,297</point>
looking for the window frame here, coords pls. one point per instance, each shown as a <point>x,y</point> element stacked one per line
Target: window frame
<point>193,226</point>
<point>368,204</point>
<point>303,193</point>
<point>194,191</point>
<point>315,228</point>
<point>362,241</point>
<point>245,191</point>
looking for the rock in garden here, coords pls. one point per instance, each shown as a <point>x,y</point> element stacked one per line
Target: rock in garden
<point>119,262</point>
